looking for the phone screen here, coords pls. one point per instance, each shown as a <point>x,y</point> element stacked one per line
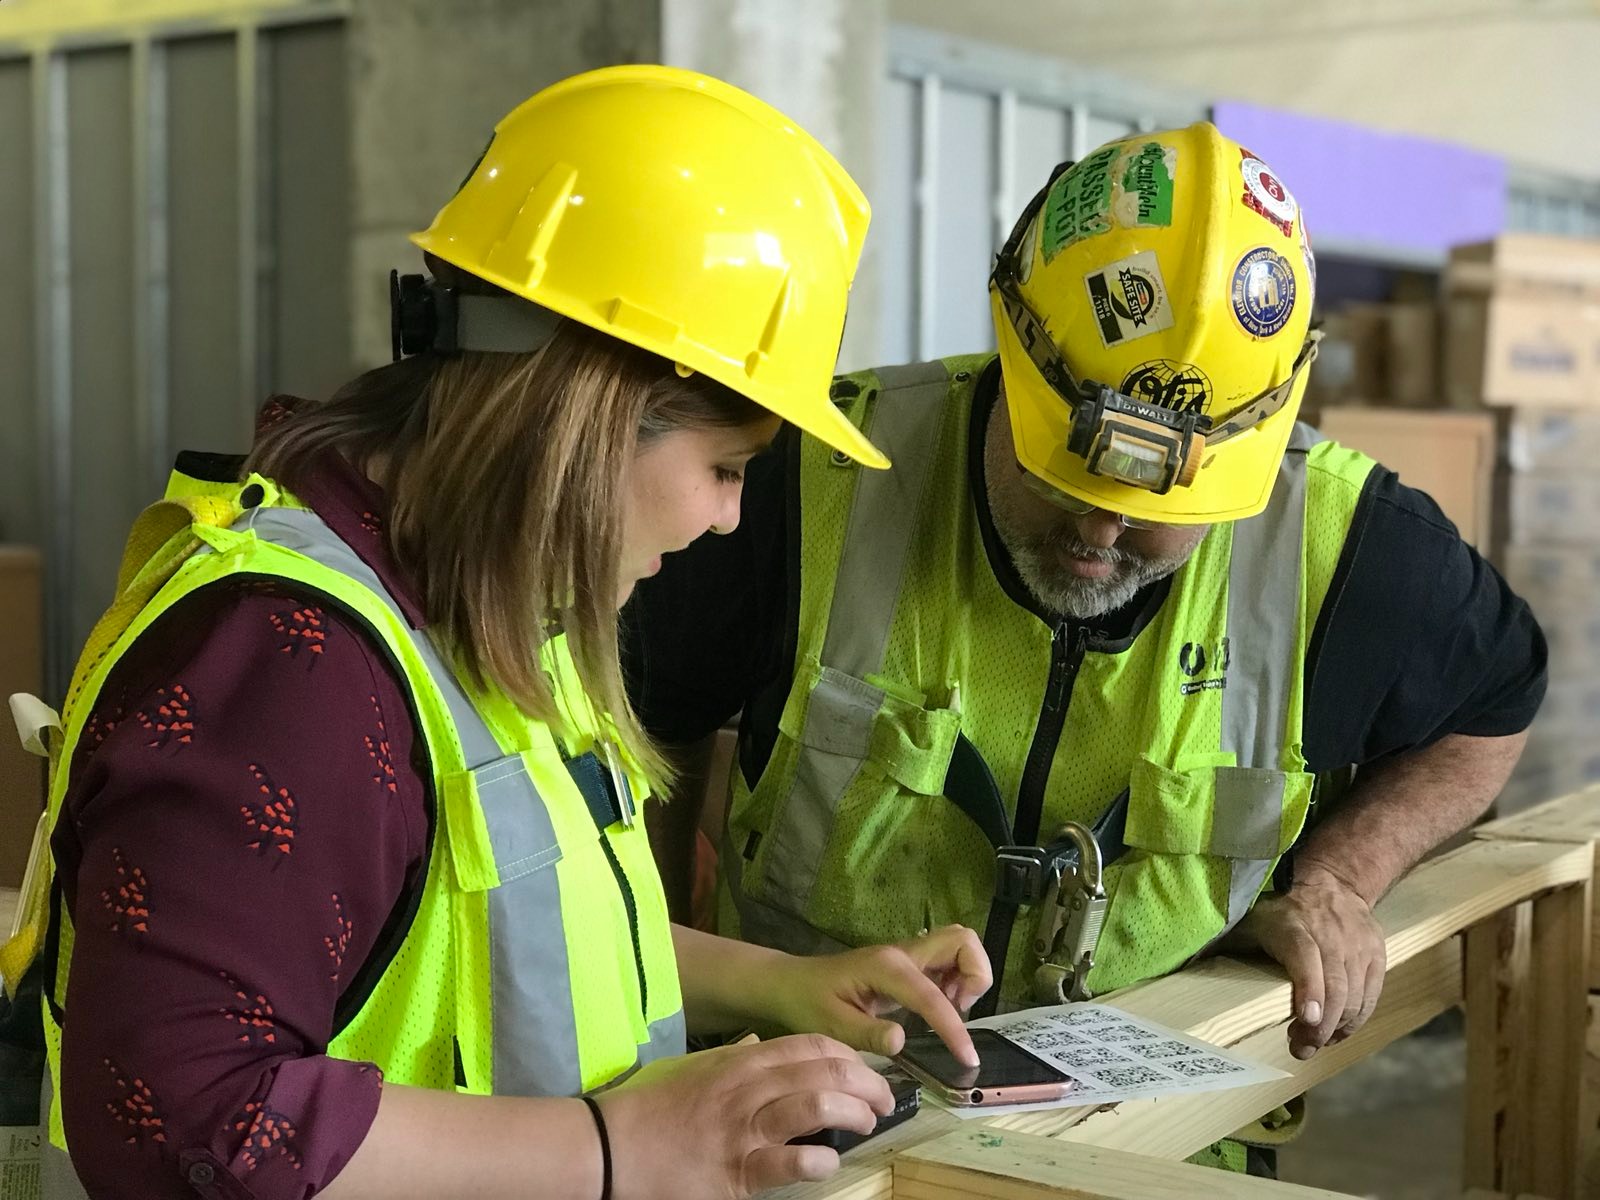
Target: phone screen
<point>1002,1063</point>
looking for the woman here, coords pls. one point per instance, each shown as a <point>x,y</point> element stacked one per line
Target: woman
<point>349,780</point>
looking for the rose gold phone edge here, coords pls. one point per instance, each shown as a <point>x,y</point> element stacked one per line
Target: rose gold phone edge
<point>1027,1093</point>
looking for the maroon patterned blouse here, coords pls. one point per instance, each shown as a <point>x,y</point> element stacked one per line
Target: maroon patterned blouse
<point>245,813</point>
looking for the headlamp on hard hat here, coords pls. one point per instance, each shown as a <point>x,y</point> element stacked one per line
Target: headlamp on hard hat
<point>1137,444</point>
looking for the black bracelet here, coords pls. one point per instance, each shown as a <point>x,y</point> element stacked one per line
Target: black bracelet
<point>605,1147</point>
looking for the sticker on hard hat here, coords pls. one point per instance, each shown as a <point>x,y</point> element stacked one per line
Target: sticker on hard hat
<point>1142,195</point>
<point>1079,203</point>
<point>1263,292</point>
<point>1129,298</point>
<point>1178,387</point>
<point>1265,195</point>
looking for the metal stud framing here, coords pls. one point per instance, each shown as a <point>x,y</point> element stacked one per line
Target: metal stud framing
<point>49,57</point>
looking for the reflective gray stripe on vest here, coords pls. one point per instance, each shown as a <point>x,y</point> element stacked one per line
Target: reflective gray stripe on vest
<point>535,1034</point>
<point>906,417</point>
<point>1264,601</point>
<point>57,1178</point>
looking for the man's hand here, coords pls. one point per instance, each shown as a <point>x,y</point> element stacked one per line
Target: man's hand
<point>1331,945</point>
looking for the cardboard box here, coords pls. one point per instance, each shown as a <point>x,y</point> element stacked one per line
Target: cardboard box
<point>1546,440</point>
<point>1411,355</point>
<point>1560,576</point>
<point>1451,456</point>
<point>1350,361</point>
<point>1555,509</point>
<point>1527,264</point>
<point>22,776</point>
<point>1510,350</point>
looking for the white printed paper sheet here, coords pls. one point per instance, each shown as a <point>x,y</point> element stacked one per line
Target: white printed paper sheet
<point>1113,1056</point>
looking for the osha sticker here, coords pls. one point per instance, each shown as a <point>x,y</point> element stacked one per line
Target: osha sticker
<point>1129,298</point>
<point>1142,196</point>
<point>1263,292</point>
<point>1175,386</point>
<point>1264,194</point>
<point>1079,203</point>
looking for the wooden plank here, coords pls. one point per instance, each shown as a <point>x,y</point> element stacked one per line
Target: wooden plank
<point>1223,1000</point>
<point>1527,1015</point>
<point>1226,1000</point>
<point>995,1165</point>
<point>1574,818</point>
<point>1498,954</point>
<point>1175,1127</point>
<point>1553,1041</point>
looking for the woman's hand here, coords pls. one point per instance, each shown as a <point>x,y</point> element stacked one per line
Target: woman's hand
<point>714,1125</point>
<point>936,976</point>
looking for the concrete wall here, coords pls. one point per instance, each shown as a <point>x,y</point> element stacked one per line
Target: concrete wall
<point>428,81</point>
<point>1514,77</point>
<point>822,63</point>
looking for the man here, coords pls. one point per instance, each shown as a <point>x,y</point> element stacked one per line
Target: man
<point>1109,582</point>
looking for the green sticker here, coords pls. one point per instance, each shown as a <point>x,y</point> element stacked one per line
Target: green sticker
<point>1146,194</point>
<point>1079,203</point>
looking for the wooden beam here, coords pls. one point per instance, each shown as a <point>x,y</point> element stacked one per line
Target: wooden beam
<point>1175,1127</point>
<point>1527,1014</point>
<point>995,1165</point>
<point>1225,1000</point>
<point>1574,818</point>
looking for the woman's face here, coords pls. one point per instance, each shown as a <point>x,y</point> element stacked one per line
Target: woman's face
<point>681,485</point>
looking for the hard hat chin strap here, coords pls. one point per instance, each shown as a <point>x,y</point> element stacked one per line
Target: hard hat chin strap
<point>426,317</point>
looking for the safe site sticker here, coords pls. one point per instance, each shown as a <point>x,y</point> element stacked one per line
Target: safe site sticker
<point>1263,292</point>
<point>1264,194</point>
<point>1129,298</point>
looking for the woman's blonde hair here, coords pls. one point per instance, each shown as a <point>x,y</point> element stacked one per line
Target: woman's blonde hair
<point>505,473</point>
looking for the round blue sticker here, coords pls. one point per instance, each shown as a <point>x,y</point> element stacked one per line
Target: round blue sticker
<point>1263,292</point>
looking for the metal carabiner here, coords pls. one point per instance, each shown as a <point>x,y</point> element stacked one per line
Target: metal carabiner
<point>1070,919</point>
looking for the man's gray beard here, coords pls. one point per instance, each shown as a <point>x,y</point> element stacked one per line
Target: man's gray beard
<point>1059,591</point>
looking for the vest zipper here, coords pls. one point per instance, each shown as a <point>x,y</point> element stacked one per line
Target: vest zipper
<point>1065,660</point>
<point>632,906</point>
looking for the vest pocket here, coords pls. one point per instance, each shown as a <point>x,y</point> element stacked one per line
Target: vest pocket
<point>517,979</point>
<point>856,831</point>
<point>497,825</point>
<point>1201,842</point>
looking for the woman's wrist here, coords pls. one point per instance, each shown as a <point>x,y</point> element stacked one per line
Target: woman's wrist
<point>603,1137</point>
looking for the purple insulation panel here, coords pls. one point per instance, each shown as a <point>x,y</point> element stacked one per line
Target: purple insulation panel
<point>1365,189</point>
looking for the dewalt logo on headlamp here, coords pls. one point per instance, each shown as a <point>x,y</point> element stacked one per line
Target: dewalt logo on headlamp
<point>1152,307</point>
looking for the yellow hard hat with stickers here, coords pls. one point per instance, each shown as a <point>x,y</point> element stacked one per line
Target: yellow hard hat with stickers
<point>1152,307</point>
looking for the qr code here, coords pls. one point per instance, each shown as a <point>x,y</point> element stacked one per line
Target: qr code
<point>1026,1030</point>
<point>1091,1056</point>
<point>1133,1075</point>
<point>1167,1049</point>
<point>1054,1040</point>
<point>1121,1033</point>
<point>1196,1068</point>
<point>1085,1016</point>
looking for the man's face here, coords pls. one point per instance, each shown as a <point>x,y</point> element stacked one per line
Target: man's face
<point>1078,566</point>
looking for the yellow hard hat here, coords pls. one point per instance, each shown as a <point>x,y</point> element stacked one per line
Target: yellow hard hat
<point>1152,308</point>
<point>680,214</point>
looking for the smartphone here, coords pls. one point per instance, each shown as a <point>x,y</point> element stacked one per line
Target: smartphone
<point>1005,1074</point>
<point>907,1097</point>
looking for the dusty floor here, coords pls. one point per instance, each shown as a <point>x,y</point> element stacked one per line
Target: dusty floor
<point>1389,1127</point>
